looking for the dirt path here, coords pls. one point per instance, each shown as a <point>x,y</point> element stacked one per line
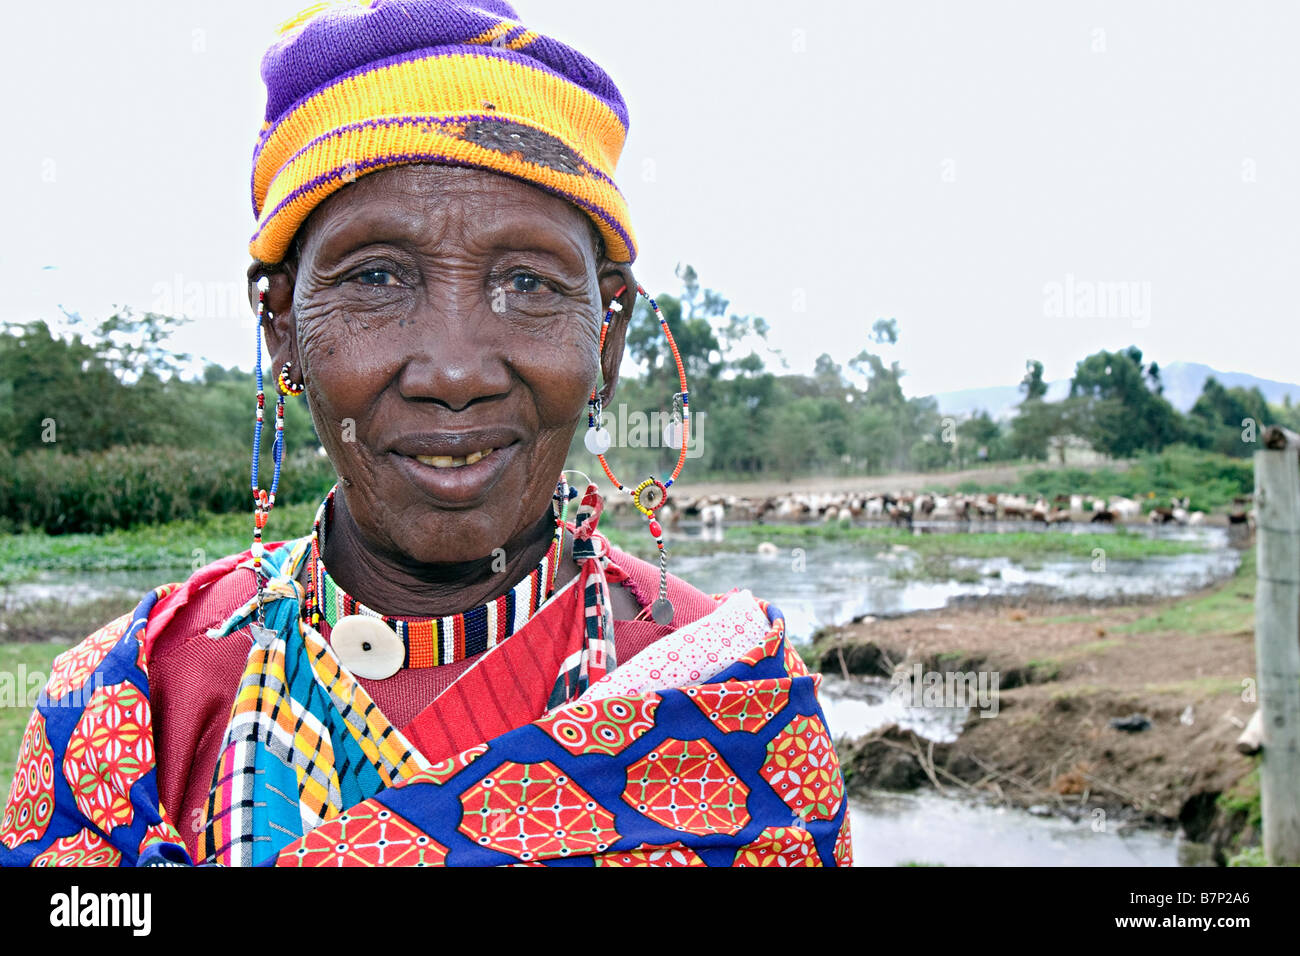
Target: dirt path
<point>1065,672</point>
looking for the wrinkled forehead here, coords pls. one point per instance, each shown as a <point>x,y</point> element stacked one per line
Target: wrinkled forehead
<point>416,203</point>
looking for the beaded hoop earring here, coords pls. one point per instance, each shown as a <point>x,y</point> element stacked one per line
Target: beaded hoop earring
<point>651,494</point>
<point>287,386</point>
<point>264,501</point>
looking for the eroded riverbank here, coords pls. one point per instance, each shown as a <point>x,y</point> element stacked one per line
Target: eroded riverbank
<point>1184,667</point>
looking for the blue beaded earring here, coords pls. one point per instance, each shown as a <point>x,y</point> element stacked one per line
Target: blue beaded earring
<point>264,501</point>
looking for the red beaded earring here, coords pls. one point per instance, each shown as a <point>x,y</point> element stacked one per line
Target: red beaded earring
<point>651,494</point>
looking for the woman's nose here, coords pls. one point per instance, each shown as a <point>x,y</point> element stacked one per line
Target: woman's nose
<point>457,353</point>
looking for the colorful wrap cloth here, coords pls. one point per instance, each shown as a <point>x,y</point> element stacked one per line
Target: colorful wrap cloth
<point>708,747</point>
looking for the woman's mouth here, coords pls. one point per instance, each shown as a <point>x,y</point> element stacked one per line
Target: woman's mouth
<point>457,481</point>
<point>447,461</point>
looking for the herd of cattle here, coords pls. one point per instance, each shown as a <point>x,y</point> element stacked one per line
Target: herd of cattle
<point>903,509</point>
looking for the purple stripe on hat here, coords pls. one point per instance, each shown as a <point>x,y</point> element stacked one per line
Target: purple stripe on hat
<point>346,39</point>
<point>395,159</point>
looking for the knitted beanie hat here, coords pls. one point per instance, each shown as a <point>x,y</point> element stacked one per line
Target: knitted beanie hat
<point>354,86</point>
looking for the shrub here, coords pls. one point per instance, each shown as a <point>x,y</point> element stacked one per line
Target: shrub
<point>92,492</point>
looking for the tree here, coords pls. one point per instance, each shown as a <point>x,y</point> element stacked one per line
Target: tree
<point>1038,422</point>
<point>1228,420</point>
<point>979,432</point>
<point>884,332</point>
<point>1032,384</point>
<point>1121,415</point>
<point>696,343</point>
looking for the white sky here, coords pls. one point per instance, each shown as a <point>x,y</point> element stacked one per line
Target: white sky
<point>941,163</point>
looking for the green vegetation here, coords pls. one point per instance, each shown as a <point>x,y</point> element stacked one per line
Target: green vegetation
<point>1209,479</point>
<point>1225,610</point>
<point>124,487</point>
<point>1210,686</point>
<point>1096,647</point>
<point>936,567</point>
<point>1251,856</point>
<point>1042,671</point>
<point>1243,799</point>
<point>174,546</point>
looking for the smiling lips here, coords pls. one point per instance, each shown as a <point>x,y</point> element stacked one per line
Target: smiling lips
<point>447,461</point>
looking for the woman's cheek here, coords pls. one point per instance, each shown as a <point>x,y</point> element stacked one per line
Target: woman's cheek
<point>334,369</point>
<point>562,367</point>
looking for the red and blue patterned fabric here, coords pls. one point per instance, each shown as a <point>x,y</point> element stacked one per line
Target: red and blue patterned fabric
<point>732,766</point>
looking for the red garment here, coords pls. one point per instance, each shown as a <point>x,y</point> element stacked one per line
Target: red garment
<point>193,678</point>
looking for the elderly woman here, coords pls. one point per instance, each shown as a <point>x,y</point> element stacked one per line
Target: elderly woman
<point>454,666</point>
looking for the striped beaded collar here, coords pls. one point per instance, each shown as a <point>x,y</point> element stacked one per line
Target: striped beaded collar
<point>427,642</point>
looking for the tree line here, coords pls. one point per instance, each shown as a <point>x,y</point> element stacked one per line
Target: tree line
<point>99,389</point>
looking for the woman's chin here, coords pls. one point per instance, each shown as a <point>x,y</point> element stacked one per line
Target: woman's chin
<point>457,536</point>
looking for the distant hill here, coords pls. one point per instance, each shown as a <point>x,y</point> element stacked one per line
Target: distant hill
<point>1183,382</point>
<point>999,401</point>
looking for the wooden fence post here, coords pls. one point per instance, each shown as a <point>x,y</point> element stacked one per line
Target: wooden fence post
<point>1277,642</point>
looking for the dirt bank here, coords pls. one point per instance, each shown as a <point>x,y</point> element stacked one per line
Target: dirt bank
<point>1064,672</point>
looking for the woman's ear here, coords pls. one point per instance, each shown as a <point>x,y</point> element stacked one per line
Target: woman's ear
<point>277,319</point>
<point>617,284</point>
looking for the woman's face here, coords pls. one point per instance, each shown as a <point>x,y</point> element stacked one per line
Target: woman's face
<point>445,323</point>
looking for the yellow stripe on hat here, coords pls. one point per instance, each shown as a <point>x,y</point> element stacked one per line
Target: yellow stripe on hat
<point>491,33</point>
<point>521,41</point>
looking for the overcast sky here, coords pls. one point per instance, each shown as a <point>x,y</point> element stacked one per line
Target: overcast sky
<point>1007,180</point>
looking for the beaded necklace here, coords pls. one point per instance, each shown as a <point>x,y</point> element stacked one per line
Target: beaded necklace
<point>429,642</point>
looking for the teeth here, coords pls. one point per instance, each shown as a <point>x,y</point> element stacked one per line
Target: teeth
<point>446,461</point>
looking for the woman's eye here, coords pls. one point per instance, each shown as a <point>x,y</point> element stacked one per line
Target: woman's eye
<point>376,277</point>
<point>524,282</point>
